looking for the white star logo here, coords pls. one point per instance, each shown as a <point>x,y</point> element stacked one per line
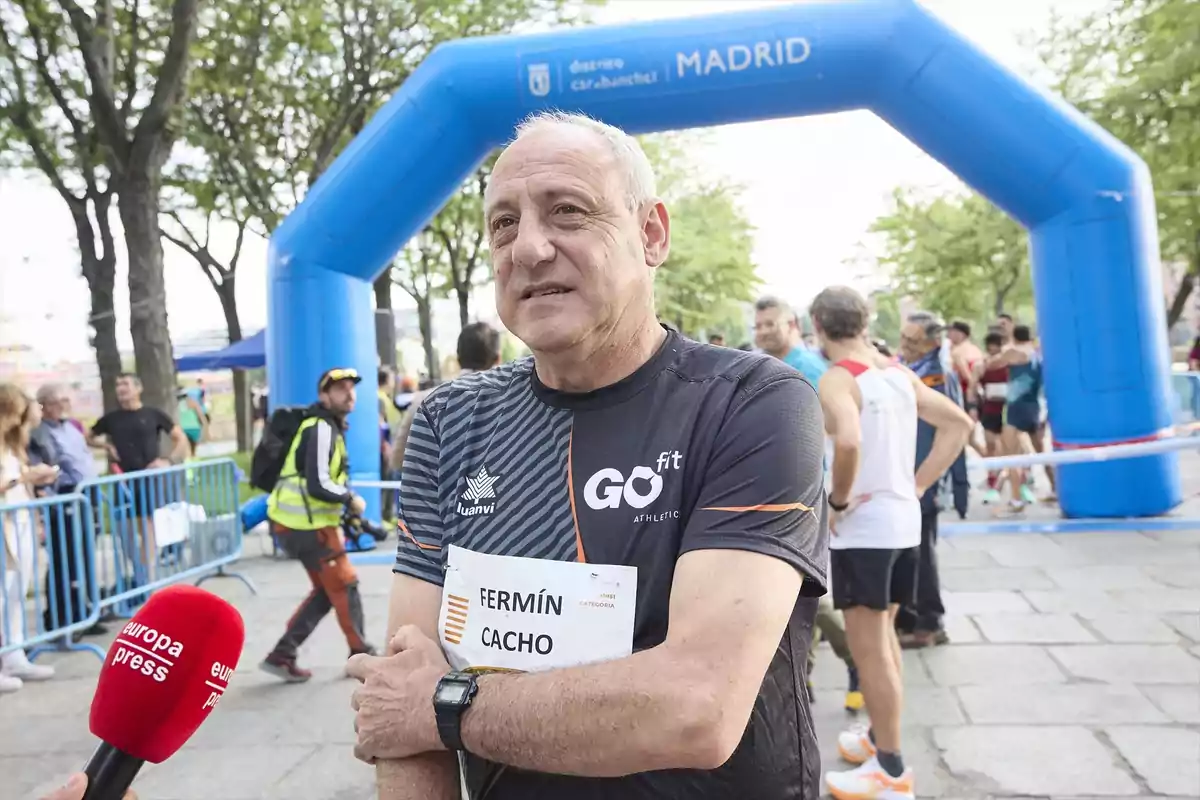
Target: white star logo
<point>481,486</point>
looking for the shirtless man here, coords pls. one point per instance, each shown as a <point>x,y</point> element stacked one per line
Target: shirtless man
<point>871,406</point>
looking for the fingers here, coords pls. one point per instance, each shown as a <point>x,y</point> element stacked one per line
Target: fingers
<point>362,756</point>
<point>72,790</point>
<point>362,665</point>
<point>409,637</point>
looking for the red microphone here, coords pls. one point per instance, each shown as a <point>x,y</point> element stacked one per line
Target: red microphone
<point>164,674</point>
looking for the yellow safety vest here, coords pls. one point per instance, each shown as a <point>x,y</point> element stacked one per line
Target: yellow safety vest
<point>290,505</point>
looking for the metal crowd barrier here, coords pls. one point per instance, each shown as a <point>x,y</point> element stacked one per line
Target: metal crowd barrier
<point>70,561</point>
<point>48,556</point>
<point>1187,437</point>
<point>158,527</point>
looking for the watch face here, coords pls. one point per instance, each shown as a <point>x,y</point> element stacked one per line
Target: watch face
<point>451,693</point>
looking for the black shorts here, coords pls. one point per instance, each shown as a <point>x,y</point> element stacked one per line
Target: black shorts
<point>992,421</point>
<point>873,578</point>
<point>1023,416</point>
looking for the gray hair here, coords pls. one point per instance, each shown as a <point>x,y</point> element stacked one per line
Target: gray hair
<point>933,325</point>
<point>841,313</point>
<point>771,302</point>
<point>639,177</point>
<point>49,392</point>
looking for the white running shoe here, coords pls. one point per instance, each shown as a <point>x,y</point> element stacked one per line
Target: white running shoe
<point>9,684</point>
<point>18,666</point>
<point>854,745</point>
<point>869,781</point>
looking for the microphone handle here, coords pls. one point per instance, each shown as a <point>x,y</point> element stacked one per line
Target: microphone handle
<point>110,773</point>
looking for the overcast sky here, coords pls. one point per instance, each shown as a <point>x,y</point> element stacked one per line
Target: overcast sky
<point>812,186</point>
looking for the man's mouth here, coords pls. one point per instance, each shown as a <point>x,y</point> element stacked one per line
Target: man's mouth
<point>544,291</point>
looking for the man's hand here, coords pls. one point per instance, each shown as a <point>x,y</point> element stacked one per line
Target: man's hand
<point>837,516</point>
<point>42,474</point>
<point>394,706</point>
<point>357,505</point>
<point>75,787</point>
<point>158,463</point>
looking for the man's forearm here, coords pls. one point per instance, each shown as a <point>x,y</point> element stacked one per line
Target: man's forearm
<point>947,444</point>
<point>645,712</point>
<point>429,776</point>
<point>843,472</point>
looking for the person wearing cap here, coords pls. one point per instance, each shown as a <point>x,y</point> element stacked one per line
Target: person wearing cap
<point>305,510</point>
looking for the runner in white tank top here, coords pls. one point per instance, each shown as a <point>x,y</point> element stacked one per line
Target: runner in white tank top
<point>871,407</point>
<point>887,511</point>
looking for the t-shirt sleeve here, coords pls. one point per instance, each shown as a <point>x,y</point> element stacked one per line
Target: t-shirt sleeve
<point>419,552</point>
<point>163,421</point>
<point>763,488</point>
<point>101,427</point>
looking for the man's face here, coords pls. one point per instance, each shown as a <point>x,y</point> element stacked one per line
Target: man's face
<point>913,342</point>
<point>571,259</point>
<point>128,390</point>
<point>775,331</point>
<point>993,349</point>
<point>956,336</point>
<point>55,407</point>
<point>339,398</point>
<point>1006,327</point>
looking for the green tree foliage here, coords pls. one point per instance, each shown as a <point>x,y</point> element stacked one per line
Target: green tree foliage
<point>710,273</point>
<point>86,97</point>
<point>1134,67</point>
<point>960,255</point>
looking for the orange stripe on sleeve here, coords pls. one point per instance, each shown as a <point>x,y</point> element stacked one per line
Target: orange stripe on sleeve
<point>413,539</point>
<point>765,507</point>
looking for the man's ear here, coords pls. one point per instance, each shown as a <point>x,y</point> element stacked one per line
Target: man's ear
<point>656,234</point>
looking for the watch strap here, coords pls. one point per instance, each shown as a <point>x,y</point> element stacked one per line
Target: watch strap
<point>449,717</point>
<point>839,507</point>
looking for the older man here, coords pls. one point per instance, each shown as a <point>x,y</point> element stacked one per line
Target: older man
<point>69,583</point>
<point>923,351</point>
<point>611,551</point>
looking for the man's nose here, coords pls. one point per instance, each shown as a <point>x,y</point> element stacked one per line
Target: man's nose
<point>532,247</point>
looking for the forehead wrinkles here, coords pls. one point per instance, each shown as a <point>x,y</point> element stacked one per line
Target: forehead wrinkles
<point>527,168</point>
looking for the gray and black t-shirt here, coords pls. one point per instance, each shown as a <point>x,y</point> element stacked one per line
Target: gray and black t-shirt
<point>701,448</point>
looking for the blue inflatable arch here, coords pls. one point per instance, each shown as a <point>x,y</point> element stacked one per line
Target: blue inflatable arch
<point>1085,198</point>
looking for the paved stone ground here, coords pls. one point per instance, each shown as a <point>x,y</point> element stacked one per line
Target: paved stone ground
<point>1074,672</point>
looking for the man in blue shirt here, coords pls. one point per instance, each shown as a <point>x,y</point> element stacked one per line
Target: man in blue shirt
<point>777,333</point>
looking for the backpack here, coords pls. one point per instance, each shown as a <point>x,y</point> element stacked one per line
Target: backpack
<point>272,450</point>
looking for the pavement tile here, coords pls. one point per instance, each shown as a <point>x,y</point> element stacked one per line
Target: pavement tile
<point>1168,759</point>
<point>1039,761</point>
<point>1032,629</point>
<point>1049,704</point>
<point>1186,624</point>
<point>1180,703</point>
<point>1129,663</point>
<point>1132,628</point>
<point>991,665</point>
<point>984,579</point>
<point>984,602</point>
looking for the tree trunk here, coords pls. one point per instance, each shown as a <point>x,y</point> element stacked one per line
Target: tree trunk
<point>1179,302</point>
<point>385,320</point>
<point>227,294</point>
<point>383,291</point>
<point>138,205</point>
<point>99,267</point>
<point>464,305</point>
<point>104,338</point>
<point>425,321</point>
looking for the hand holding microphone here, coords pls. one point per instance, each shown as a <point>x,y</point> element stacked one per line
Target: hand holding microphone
<point>75,788</point>
<point>165,672</point>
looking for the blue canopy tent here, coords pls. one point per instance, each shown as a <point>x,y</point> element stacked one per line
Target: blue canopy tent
<point>249,353</point>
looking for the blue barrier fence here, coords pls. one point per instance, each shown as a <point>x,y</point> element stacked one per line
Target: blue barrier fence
<point>112,543</point>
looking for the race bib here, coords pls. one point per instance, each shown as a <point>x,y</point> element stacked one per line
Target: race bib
<point>995,391</point>
<point>529,614</point>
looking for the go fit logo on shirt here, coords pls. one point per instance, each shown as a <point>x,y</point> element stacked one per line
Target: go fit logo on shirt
<point>608,487</point>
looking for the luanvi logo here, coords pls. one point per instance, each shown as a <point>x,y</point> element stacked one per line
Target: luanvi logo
<point>608,487</point>
<point>480,487</point>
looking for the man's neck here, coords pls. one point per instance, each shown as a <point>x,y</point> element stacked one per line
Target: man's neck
<point>784,353</point>
<point>588,366</point>
<point>852,350</point>
<point>132,406</point>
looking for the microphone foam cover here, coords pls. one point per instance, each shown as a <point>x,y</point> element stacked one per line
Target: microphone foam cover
<point>166,671</point>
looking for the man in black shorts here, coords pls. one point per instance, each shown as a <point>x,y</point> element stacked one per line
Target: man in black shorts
<point>131,435</point>
<point>872,407</point>
<point>617,544</point>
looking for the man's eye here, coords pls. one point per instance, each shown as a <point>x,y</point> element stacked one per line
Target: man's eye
<point>499,223</point>
<point>567,208</point>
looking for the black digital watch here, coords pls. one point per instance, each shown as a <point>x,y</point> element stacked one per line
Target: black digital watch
<point>838,507</point>
<point>451,699</point>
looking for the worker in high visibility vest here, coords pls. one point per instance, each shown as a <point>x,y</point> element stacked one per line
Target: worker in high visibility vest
<point>305,509</point>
